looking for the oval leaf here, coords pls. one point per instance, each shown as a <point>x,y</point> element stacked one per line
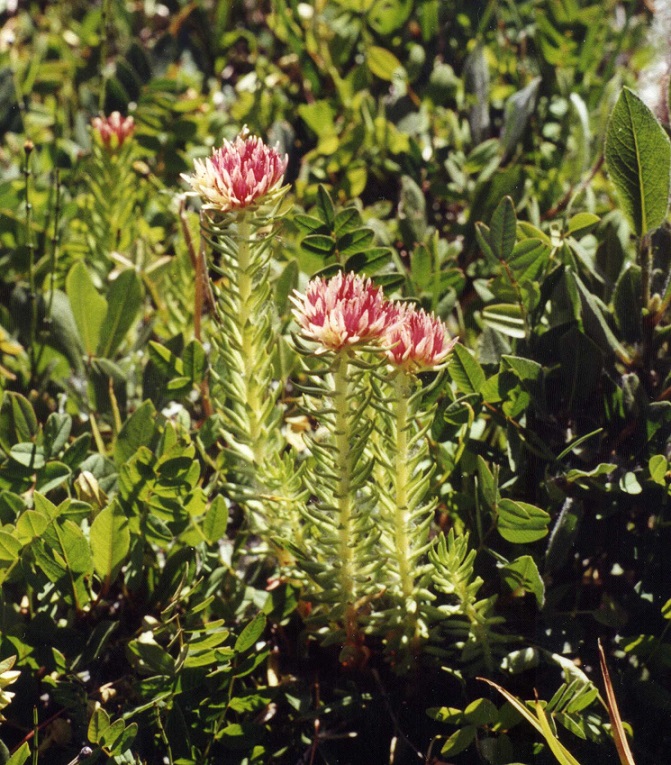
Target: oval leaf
<point>638,156</point>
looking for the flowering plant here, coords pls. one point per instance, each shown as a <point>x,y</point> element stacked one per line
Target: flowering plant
<point>113,131</point>
<point>239,174</point>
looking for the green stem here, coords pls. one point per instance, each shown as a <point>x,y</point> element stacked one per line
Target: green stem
<point>402,389</point>
<point>645,257</point>
<point>247,332</point>
<point>344,472</point>
<point>104,28</point>
<point>30,244</point>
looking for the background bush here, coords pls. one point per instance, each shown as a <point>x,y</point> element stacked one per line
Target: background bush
<point>469,139</point>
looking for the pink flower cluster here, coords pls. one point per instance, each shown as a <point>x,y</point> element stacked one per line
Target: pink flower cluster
<point>347,310</point>
<point>239,174</point>
<point>113,131</point>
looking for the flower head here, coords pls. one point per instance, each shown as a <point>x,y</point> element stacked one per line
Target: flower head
<point>239,174</point>
<point>418,340</point>
<point>113,131</point>
<point>343,311</point>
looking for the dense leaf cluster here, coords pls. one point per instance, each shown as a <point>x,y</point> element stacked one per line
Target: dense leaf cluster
<point>489,161</point>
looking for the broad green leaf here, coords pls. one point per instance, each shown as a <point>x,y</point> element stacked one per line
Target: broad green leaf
<point>581,366</point>
<point>581,222</point>
<point>520,522</point>
<point>596,324</point>
<point>17,420</point>
<point>286,282</point>
<point>325,206</point>
<point>528,259</point>
<point>628,304</point>
<point>56,432</point>
<point>518,110</point>
<point>31,525</point>
<point>67,541</point>
<point>481,712</point>
<point>53,474</point>
<point>638,156</point>
<point>465,370</point>
<point>658,467</point>
<point>195,361</point>
<point>502,229</point>
<point>110,541</point>
<point>20,755</point>
<point>89,307</point>
<point>125,739</point>
<point>523,573</point>
<point>28,455</point>
<point>319,117</point>
<point>251,633</point>
<point>124,303</point>
<point>98,724</point>
<point>10,547</point>
<point>507,318</point>
<point>487,483</point>
<point>138,430</point>
<point>459,740</point>
<point>64,334</point>
<point>382,62</point>
<point>216,520</point>
<point>111,736</point>
<point>386,16</point>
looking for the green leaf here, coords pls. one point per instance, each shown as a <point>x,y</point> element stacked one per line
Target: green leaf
<point>28,455</point>
<point>138,430</point>
<point>64,335</point>
<point>10,547</point>
<point>459,740</point>
<point>56,432</point>
<point>518,110</point>
<point>465,370</point>
<point>89,307</point>
<point>194,359</point>
<point>216,520</point>
<point>125,301</point>
<point>53,474</point>
<point>487,483</point>
<point>110,541</point>
<point>658,467</point>
<point>523,573</point>
<point>481,712</point>
<point>17,420</point>
<point>286,282</point>
<point>520,522</point>
<point>628,304</point>
<point>596,324</point>
<point>20,755</point>
<point>581,223</point>
<point>386,16</point>
<point>638,156</point>
<point>325,206</point>
<point>502,232</point>
<point>251,633</point>
<point>507,318</point>
<point>31,525</point>
<point>382,62</point>
<point>98,724</point>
